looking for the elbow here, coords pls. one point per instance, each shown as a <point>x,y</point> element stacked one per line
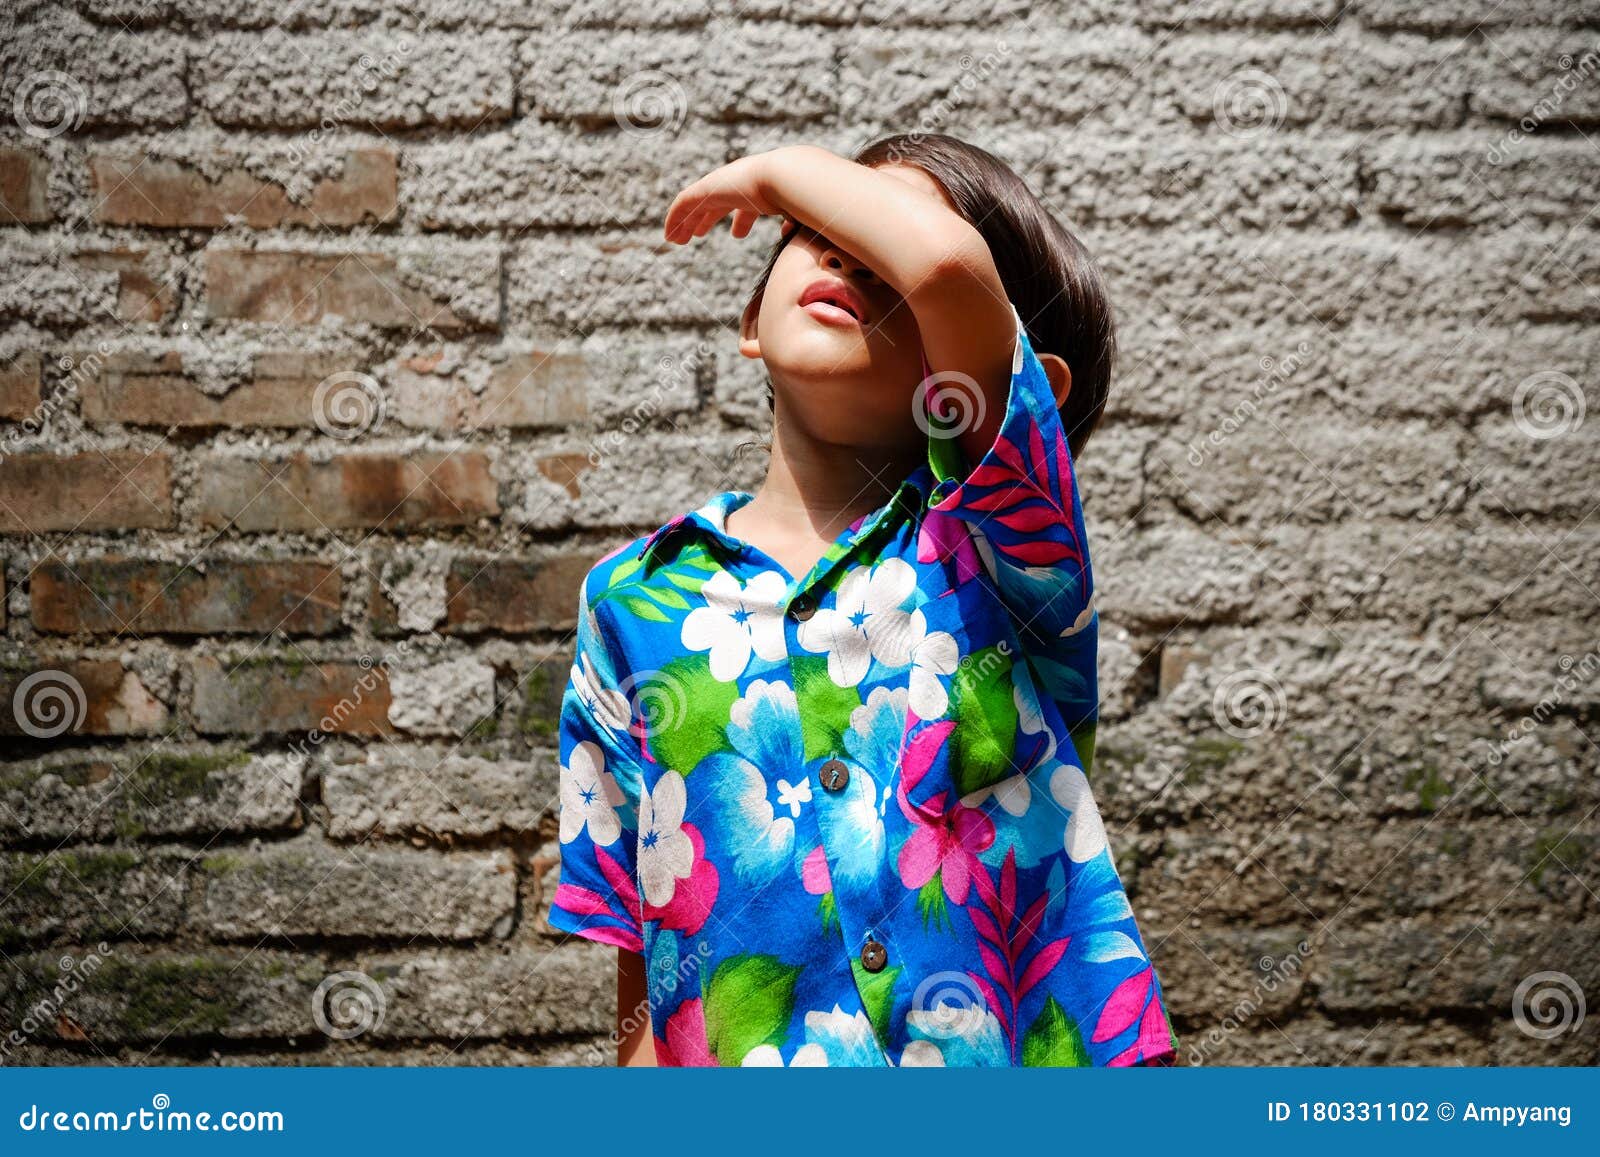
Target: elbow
<point>957,267</point>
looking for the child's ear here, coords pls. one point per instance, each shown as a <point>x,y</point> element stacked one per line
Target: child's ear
<point>1060,377</point>
<point>749,346</point>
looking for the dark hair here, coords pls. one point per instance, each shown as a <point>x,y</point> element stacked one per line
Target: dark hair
<point>1047,273</point>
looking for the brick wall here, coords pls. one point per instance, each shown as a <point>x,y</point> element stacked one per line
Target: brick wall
<point>338,341</point>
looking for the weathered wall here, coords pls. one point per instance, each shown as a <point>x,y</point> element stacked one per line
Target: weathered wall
<point>336,349</point>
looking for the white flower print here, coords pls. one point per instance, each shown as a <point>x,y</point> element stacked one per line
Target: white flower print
<point>1085,837</point>
<point>807,1056</point>
<point>932,655</point>
<point>792,796</point>
<point>866,622</point>
<point>608,706</point>
<point>1082,622</point>
<point>921,1054</point>
<point>589,797</point>
<point>833,1039</point>
<point>737,620</point>
<point>666,854</point>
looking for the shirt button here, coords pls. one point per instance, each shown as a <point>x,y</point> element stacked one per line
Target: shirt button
<point>801,608</point>
<point>835,774</point>
<point>874,956</point>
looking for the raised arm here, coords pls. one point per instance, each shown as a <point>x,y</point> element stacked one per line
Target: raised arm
<point>904,231</point>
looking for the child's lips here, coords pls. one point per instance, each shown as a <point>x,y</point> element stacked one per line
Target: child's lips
<point>833,302</point>
<point>830,314</point>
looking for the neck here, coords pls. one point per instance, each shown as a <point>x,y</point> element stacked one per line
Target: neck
<point>827,484</point>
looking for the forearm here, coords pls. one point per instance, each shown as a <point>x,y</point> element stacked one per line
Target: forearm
<point>928,253</point>
<point>906,237</point>
<point>635,1039</point>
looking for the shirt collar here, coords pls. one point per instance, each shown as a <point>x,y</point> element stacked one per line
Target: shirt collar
<point>915,493</point>
<point>710,519</point>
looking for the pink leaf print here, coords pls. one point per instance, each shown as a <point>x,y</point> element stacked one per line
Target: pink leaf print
<point>1039,967</point>
<point>1154,1039</point>
<point>1124,1005</point>
<point>1030,519</point>
<point>685,1043</point>
<point>991,1001</point>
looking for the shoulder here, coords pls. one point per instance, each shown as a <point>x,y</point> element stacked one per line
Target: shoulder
<point>635,566</point>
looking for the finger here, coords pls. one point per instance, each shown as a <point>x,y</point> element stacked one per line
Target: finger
<point>743,221</point>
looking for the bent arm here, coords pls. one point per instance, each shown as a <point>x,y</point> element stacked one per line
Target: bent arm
<point>925,251</point>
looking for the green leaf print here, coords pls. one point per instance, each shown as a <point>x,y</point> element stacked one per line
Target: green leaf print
<point>1083,743</point>
<point>748,1002</point>
<point>1053,1040</point>
<point>686,712</point>
<point>828,911</point>
<point>877,995</point>
<point>623,572</point>
<point>642,608</point>
<point>825,707</point>
<point>644,596</point>
<point>931,901</point>
<point>982,704</point>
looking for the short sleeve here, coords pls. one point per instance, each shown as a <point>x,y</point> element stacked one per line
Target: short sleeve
<point>1021,501</point>
<point>598,894</point>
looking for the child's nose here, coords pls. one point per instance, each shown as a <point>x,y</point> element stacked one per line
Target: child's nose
<point>838,262</point>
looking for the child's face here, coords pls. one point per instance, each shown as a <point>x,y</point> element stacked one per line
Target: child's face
<point>841,347</point>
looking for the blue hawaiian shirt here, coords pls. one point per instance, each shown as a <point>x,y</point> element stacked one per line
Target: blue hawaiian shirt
<point>844,816</point>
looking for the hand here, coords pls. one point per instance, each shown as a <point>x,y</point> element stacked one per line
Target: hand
<point>741,188</point>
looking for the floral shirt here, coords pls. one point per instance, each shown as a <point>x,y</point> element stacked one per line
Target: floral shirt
<point>845,816</point>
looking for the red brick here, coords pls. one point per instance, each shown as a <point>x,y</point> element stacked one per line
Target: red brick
<point>565,470</point>
<point>353,490</point>
<point>144,291</point>
<point>534,389</point>
<point>111,490</point>
<point>115,595</point>
<point>136,190</point>
<point>272,695</point>
<point>142,390</point>
<point>24,187</point>
<point>513,596</point>
<point>19,387</point>
<point>305,288</point>
<point>53,699</point>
